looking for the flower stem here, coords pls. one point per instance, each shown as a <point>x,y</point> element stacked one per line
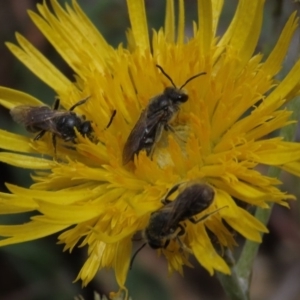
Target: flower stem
<point>232,284</point>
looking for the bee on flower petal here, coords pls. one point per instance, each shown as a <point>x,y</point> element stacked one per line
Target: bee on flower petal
<point>156,117</point>
<point>61,123</point>
<point>166,224</point>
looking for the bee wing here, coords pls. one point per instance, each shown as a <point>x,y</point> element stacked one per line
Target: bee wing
<point>177,211</point>
<point>35,118</point>
<point>174,216</point>
<point>190,202</point>
<point>145,126</point>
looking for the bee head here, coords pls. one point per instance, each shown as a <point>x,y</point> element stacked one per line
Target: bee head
<point>173,93</point>
<point>86,128</point>
<point>176,95</point>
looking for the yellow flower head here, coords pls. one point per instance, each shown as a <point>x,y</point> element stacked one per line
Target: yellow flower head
<point>202,151</point>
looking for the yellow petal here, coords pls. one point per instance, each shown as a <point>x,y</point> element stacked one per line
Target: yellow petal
<point>246,40</point>
<point>40,66</point>
<point>27,232</point>
<point>91,32</point>
<point>281,153</point>
<point>13,98</point>
<point>273,63</point>
<point>206,254</point>
<point>243,191</point>
<point>217,6</point>
<point>11,200</point>
<point>27,162</point>
<point>92,264</point>
<point>15,142</point>
<point>62,197</point>
<point>240,27</point>
<point>205,20</point>
<point>181,28</point>
<point>72,47</point>
<point>251,226</point>
<point>287,89</point>
<point>122,260</point>
<point>138,20</point>
<point>170,22</point>
<point>293,168</point>
<point>6,207</point>
<point>233,214</point>
<point>66,214</point>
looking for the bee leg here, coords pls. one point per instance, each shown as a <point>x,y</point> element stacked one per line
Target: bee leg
<point>182,245</point>
<point>69,139</point>
<point>135,254</point>
<point>168,127</point>
<point>152,141</point>
<point>165,200</point>
<point>54,143</point>
<point>79,103</point>
<point>194,221</point>
<point>39,135</point>
<point>181,230</point>
<point>111,118</point>
<point>56,103</point>
<point>167,242</point>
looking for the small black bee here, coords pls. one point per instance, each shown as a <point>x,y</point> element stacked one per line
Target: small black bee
<point>60,123</point>
<point>157,116</point>
<point>165,223</point>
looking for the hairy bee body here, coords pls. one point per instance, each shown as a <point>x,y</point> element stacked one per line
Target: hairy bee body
<point>61,123</point>
<point>165,223</point>
<point>156,117</point>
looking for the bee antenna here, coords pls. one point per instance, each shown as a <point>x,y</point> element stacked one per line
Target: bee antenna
<point>135,254</point>
<point>162,70</point>
<point>79,103</point>
<point>191,78</point>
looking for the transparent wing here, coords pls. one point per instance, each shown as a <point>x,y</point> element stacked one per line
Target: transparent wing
<point>191,201</point>
<point>145,127</point>
<point>35,118</point>
<point>181,208</point>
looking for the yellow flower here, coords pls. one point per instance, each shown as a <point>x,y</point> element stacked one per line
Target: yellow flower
<point>221,133</point>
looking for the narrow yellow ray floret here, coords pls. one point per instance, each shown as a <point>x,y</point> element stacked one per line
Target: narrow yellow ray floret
<point>221,134</point>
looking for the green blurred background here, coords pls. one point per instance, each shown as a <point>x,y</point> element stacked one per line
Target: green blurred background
<point>40,270</point>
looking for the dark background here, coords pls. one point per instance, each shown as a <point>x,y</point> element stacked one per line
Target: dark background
<point>40,270</point>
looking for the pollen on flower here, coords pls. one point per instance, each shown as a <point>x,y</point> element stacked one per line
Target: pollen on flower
<point>214,134</point>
